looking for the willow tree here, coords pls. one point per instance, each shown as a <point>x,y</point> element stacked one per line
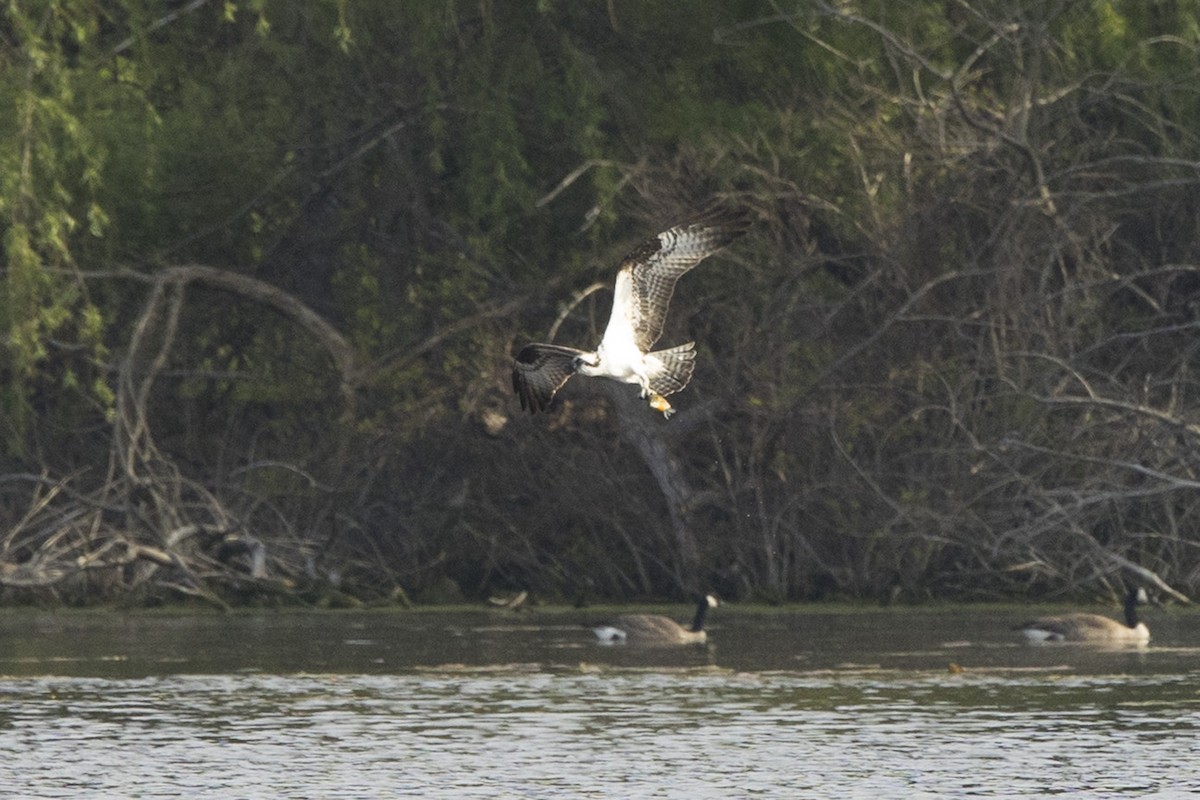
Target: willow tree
<point>51,168</point>
<point>359,170</point>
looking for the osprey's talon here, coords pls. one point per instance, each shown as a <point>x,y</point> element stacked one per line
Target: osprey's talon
<point>659,403</point>
<point>641,297</point>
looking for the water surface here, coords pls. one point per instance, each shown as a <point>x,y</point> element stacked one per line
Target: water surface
<point>797,703</point>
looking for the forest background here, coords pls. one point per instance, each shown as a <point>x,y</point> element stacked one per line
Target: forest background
<point>265,265</point>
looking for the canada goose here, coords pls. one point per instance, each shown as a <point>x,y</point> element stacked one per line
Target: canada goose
<point>1091,627</point>
<point>657,629</point>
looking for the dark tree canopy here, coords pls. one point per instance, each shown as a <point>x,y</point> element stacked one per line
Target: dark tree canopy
<point>265,265</point>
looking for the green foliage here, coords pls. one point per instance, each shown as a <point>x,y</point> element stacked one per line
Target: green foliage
<point>51,166</point>
<point>962,209</point>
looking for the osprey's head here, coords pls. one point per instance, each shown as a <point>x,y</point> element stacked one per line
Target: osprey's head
<point>587,360</point>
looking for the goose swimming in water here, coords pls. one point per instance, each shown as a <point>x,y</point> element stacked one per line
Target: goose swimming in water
<point>657,629</point>
<point>1091,627</point>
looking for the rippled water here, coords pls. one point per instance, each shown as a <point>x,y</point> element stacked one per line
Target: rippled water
<point>487,705</point>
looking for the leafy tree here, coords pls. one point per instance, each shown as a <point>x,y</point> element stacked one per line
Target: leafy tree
<point>265,263</point>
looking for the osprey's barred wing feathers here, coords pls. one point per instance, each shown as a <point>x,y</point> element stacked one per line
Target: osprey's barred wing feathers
<point>539,371</point>
<point>658,263</point>
<point>642,295</point>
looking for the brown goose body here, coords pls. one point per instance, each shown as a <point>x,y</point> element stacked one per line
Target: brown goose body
<point>657,629</point>
<point>1090,627</point>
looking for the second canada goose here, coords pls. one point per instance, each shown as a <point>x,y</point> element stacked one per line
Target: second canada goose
<point>657,629</point>
<point>1091,627</point>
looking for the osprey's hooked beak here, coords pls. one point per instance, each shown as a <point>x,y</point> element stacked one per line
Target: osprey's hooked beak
<point>587,360</point>
<point>659,403</point>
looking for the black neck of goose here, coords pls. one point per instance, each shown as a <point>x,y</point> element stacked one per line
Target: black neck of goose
<point>701,613</point>
<point>1131,603</point>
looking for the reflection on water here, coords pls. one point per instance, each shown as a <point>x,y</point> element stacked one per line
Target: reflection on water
<point>493,705</point>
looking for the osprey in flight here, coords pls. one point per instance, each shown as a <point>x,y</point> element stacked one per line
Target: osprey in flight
<point>640,299</point>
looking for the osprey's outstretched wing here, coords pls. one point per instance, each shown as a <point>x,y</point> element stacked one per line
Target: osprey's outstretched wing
<point>641,297</point>
<point>539,371</point>
<point>656,265</point>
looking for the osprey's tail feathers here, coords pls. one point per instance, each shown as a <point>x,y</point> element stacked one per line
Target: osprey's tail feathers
<point>674,370</point>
